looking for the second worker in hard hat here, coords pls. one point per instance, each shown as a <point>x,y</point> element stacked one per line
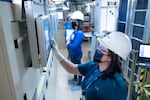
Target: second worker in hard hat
<point>75,46</point>
<point>103,76</point>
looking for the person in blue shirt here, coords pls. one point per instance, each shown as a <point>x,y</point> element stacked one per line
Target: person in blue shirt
<point>68,25</point>
<point>75,50</point>
<point>74,45</point>
<point>68,29</point>
<point>103,76</point>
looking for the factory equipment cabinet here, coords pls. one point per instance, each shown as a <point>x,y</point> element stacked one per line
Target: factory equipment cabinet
<point>18,80</point>
<point>87,23</point>
<point>9,72</point>
<point>133,21</point>
<point>4,78</point>
<point>87,26</point>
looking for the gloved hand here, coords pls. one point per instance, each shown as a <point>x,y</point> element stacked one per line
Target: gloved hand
<point>56,52</point>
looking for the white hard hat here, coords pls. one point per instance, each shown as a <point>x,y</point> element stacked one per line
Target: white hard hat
<point>117,42</point>
<point>77,15</point>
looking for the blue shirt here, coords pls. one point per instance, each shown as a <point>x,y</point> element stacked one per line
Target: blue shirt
<point>102,89</point>
<point>75,44</point>
<point>68,25</point>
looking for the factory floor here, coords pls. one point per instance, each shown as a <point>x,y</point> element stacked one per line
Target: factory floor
<point>63,89</point>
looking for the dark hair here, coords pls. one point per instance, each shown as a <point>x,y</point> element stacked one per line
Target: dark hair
<point>113,67</point>
<point>68,17</point>
<point>80,25</point>
<point>74,25</point>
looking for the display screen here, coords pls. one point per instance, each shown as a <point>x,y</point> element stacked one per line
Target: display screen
<point>144,51</point>
<point>43,34</point>
<point>47,36</point>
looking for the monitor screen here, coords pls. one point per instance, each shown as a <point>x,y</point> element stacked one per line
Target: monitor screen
<point>47,36</point>
<point>144,51</point>
<point>43,33</point>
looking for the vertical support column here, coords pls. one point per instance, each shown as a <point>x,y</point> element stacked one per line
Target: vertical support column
<point>130,87</point>
<point>93,46</point>
<point>97,13</point>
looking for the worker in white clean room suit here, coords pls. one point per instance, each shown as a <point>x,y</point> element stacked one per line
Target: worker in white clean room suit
<point>103,76</point>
